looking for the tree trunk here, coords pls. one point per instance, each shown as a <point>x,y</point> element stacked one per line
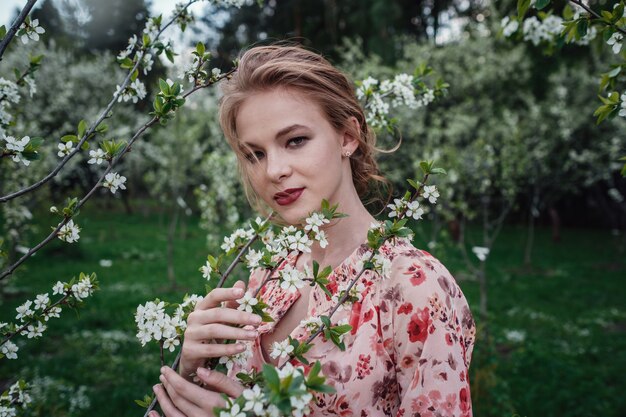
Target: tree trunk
<point>556,224</point>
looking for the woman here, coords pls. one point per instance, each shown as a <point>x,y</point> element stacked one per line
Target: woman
<point>300,136</point>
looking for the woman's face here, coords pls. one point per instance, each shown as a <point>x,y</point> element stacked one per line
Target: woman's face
<point>294,155</point>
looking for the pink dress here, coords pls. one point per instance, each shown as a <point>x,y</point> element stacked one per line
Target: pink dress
<point>411,341</point>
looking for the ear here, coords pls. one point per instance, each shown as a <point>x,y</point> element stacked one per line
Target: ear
<point>351,136</point>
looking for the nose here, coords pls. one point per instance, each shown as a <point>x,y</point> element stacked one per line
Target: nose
<point>278,167</point>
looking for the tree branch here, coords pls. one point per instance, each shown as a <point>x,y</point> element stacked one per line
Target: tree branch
<point>94,125</point>
<point>52,235</point>
<point>16,25</point>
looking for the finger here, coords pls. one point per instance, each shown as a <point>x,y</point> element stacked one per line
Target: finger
<point>217,295</point>
<point>219,382</point>
<point>223,315</point>
<point>195,397</point>
<point>220,331</point>
<point>168,408</point>
<point>211,350</point>
<point>154,413</point>
<point>235,304</point>
<point>178,399</point>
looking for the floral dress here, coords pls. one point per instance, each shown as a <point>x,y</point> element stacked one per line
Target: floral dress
<point>411,342</point>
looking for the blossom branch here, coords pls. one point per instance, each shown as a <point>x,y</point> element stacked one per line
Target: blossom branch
<point>90,131</point>
<point>16,25</point>
<point>32,320</point>
<point>126,149</point>
<point>596,15</point>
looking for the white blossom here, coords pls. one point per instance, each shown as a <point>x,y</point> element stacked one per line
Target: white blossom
<point>239,359</point>
<point>171,343</point>
<point>311,323</point>
<point>58,288</point>
<point>616,42</point>
<point>206,270</point>
<point>622,110</point>
<point>235,411</point>
<point>65,148</point>
<point>254,400</point>
<point>82,289</point>
<point>24,311</point>
<point>9,91</point>
<point>398,205</point>
<point>402,91</point>
<point>321,238</point>
<point>35,331</point>
<point>481,252</point>
<point>253,258</point>
<point>135,91</point>
<point>509,26</point>
<point>96,157</point>
<point>41,301</point>
<point>113,181</point>
<point>281,349</point>
<point>299,241</point>
<point>431,193</point>
<point>9,350</point>
<point>291,279</point>
<point>53,312</point>
<point>315,221</point>
<point>33,30</point>
<point>15,144</point>
<point>414,210</point>
<point>246,302</point>
<point>69,232</point>
<point>365,86</point>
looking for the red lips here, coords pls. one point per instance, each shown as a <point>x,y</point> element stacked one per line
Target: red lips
<point>288,196</point>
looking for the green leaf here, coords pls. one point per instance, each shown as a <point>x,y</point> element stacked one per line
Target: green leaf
<point>35,142</point>
<point>200,49</point>
<point>581,28</point>
<point>540,4</point>
<point>438,171</point>
<point>522,8</point>
<point>69,138</point>
<point>271,377</point>
<point>414,184</point>
<point>424,166</point>
<point>3,31</point>
<point>164,86</point>
<point>82,128</point>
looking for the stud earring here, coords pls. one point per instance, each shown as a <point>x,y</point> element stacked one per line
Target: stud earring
<point>347,154</point>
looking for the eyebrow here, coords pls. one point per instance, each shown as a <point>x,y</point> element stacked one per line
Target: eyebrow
<point>282,132</point>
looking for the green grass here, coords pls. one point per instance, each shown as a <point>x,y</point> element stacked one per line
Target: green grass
<point>569,307</point>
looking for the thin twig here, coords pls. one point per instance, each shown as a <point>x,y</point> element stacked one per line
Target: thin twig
<point>28,323</point>
<point>596,15</point>
<point>92,128</point>
<point>126,149</point>
<point>346,294</point>
<point>15,26</point>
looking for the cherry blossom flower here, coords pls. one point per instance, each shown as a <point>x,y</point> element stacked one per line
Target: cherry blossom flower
<point>96,157</point>
<point>65,148</point>
<point>281,349</point>
<point>69,232</point>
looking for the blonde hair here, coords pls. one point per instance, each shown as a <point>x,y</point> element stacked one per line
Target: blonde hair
<point>265,68</point>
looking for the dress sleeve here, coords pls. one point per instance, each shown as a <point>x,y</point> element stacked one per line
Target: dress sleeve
<point>432,334</point>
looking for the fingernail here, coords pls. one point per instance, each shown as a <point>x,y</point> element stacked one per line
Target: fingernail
<point>202,372</point>
<point>163,369</point>
<point>257,319</point>
<point>238,292</point>
<point>155,387</point>
<point>161,378</point>
<point>252,333</point>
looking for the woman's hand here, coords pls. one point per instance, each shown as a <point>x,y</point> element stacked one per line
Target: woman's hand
<point>181,398</point>
<point>210,322</point>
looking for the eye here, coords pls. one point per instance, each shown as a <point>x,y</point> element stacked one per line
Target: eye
<point>296,142</point>
<point>255,156</point>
